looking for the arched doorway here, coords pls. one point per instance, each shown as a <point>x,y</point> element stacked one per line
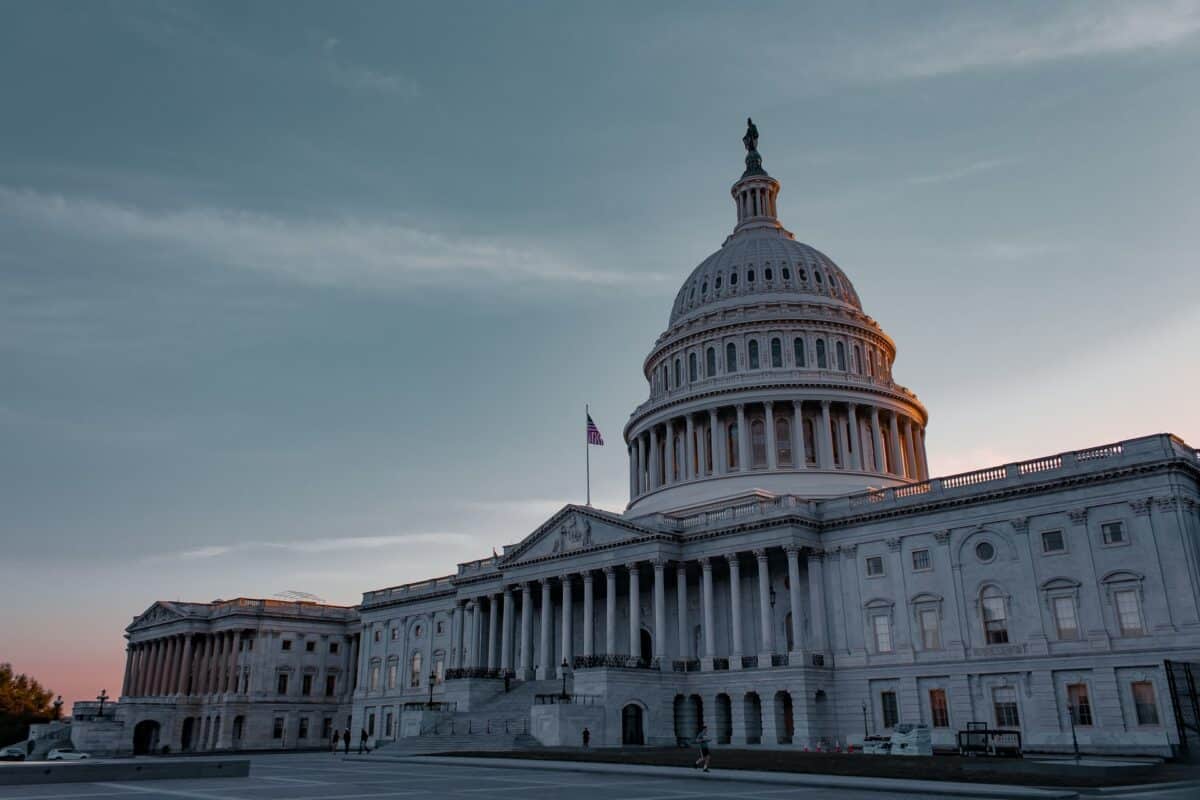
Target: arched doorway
<point>647,645</point>
<point>632,731</point>
<point>145,737</point>
<point>784,722</point>
<point>188,734</point>
<point>723,719</point>
<point>752,708</point>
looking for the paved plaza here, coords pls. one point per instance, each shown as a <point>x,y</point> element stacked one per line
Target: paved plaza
<point>327,777</point>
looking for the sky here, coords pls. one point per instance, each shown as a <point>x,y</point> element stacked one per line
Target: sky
<point>311,296</point>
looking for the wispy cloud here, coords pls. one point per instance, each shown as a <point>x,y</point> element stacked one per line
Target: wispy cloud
<point>346,252</point>
<point>964,171</point>
<point>317,546</point>
<point>1078,30</point>
<point>361,78</point>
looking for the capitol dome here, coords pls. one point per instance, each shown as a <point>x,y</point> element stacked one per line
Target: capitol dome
<point>770,379</point>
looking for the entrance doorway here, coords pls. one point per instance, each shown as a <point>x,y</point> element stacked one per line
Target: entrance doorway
<point>631,725</point>
<point>145,737</point>
<point>189,733</point>
<point>647,645</point>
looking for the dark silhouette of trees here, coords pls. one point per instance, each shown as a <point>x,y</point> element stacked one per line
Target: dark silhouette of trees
<point>23,701</point>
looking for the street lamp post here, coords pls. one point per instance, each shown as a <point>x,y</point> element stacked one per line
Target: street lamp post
<point>102,697</point>
<point>432,679</point>
<point>1071,710</point>
<point>866,729</point>
<point>564,668</point>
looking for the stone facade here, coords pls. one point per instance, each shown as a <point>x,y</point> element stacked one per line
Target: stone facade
<point>786,571</point>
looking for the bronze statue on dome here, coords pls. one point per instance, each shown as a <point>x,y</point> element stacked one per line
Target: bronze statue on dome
<point>751,137</point>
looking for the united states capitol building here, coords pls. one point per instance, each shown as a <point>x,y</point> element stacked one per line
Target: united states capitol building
<point>787,571</point>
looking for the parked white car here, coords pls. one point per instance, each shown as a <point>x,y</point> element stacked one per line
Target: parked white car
<point>66,754</point>
<point>13,753</point>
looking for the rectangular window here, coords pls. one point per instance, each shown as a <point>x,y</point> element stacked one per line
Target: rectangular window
<point>306,685</point>
<point>330,685</point>
<point>391,674</point>
<point>326,727</point>
<point>441,626</point>
<point>387,725</point>
<point>333,648</point>
<point>277,728</point>
<point>395,634</point>
<point>310,647</point>
<point>371,724</point>
<point>891,711</point>
<point>874,566</point>
<point>375,636</point>
<point>1064,618</point>
<point>303,728</point>
<point>1144,703</point>
<point>931,638</point>
<point>1078,704</point>
<point>939,709</point>
<point>921,560</point>
<point>1113,532</point>
<point>1053,542</point>
<point>1128,615</point>
<point>882,625</point>
<point>995,620</point>
<point>286,644</point>
<point>1004,701</point>
<point>374,682</point>
<point>281,683</point>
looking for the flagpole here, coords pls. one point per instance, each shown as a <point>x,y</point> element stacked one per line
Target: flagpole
<point>587,450</point>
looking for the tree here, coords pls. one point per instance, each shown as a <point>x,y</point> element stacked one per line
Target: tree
<point>23,701</point>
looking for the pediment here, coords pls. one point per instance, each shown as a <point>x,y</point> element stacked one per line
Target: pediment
<point>156,614</point>
<point>572,529</point>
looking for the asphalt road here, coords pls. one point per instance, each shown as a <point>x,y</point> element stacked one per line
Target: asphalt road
<point>326,777</point>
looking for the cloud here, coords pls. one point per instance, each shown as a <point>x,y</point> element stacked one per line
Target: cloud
<point>963,171</point>
<point>317,546</point>
<point>347,252</point>
<point>1082,30</point>
<point>360,78</point>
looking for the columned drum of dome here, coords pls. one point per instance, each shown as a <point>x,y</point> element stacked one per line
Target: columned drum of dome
<point>770,378</point>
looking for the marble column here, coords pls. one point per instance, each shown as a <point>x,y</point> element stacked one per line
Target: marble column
<point>856,454</point>
<point>632,451</point>
<point>526,669</point>
<point>735,610</point>
<point>458,633</point>
<point>635,612</point>
<point>493,634</point>
<point>589,614</point>
<point>660,612</point>
<point>799,453</point>
<point>714,444</point>
<point>689,449</point>
<point>546,658</point>
<point>469,651</point>
<point>610,611</point>
<point>125,680</point>
<point>816,595</point>
<point>706,600</point>
<point>769,423</point>
<point>743,439</point>
<point>843,442</point>
<point>669,449</point>
<point>235,660</point>
<point>764,602</point>
<point>156,667</point>
<point>877,441</point>
<point>910,451</point>
<point>214,663</point>
<point>793,562</point>
<point>185,667</point>
<point>506,638</point>
<point>826,449</point>
<point>136,675</point>
<point>567,620</point>
<point>169,670</point>
<point>894,446</point>
<point>201,683</point>
<point>681,599</point>
<point>641,465</point>
<point>654,482</point>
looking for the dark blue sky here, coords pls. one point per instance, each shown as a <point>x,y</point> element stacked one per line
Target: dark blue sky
<point>310,296</point>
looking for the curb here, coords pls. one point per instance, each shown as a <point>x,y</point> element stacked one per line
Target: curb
<point>990,790</point>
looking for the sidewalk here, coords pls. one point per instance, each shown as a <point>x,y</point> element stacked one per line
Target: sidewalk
<point>747,776</point>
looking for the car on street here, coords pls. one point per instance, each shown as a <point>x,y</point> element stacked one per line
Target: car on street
<point>66,754</point>
<point>13,753</point>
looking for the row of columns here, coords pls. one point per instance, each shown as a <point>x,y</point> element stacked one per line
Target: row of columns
<point>500,653</point>
<point>182,664</point>
<point>705,452</point>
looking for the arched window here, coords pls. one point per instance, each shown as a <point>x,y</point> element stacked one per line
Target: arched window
<point>776,353</point>
<point>731,444</point>
<point>718,285</point>
<point>678,373</point>
<point>710,365</point>
<point>750,276</point>
<point>817,275</point>
<point>841,356</point>
<point>692,367</point>
<point>692,295</point>
<point>783,441</point>
<point>730,358</point>
<point>871,363</point>
<point>993,607</point>
<point>810,442</point>
<point>858,360</point>
<point>798,347</point>
<point>414,675</point>
<point>758,443</point>
<point>704,288</point>
<point>803,273</point>
<point>733,279</point>
<point>787,274</point>
<point>767,274</point>
<point>822,361</point>
<point>753,354</point>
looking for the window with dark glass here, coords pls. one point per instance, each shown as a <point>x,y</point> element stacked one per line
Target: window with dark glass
<point>281,683</point>
<point>326,727</point>
<point>858,365</point>
<point>783,441</point>
<point>277,728</point>
<point>939,709</point>
<point>817,275</point>
<point>750,276</point>
<point>733,279</point>
<point>1144,704</point>
<point>758,443</point>
<point>841,356</point>
<point>798,352</point>
<point>286,644</point>
<point>306,685</point>
<point>678,373</point>
<point>891,710</point>
<point>753,354</point>
<point>731,444</point>
<point>995,616</point>
<point>1078,704</point>
<point>822,361</point>
<point>803,273</point>
<point>1113,532</point>
<point>1004,702</point>
<point>710,364</point>
<point>1053,542</point>
<point>692,367</point>
<point>718,283</point>
<point>921,560</point>
<point>730,358</point>
<point>874,566</point>
<point>767,274</point>
<point>303,734</point>
<point>310,647</point>
<point>704,288</point>
<point>333,648</point>
<point>330,685</point>
<point>776,353</point>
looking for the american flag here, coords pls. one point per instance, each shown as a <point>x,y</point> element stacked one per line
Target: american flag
<point>593,433</point>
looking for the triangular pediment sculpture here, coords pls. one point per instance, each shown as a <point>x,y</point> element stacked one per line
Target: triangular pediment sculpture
<point>572,530</point>
<point>157,613</point>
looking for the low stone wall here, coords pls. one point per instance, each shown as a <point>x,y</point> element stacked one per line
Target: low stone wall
<point>562,724</point>
<point>31,772</point>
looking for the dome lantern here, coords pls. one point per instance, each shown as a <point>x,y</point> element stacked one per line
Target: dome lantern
<point>755,192</point>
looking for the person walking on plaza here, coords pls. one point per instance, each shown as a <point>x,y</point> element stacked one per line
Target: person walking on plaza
<point>362,742</point>
<point>587,737</point>
<point>702,739</point>
<point>336,737</point>
<point>346,741</point>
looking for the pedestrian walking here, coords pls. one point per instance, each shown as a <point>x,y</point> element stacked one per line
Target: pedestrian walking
<point>336,738</point>
<point>702,739</point>
<point>362,742</point>
<point>346,741</point>
<point>587,737</point>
